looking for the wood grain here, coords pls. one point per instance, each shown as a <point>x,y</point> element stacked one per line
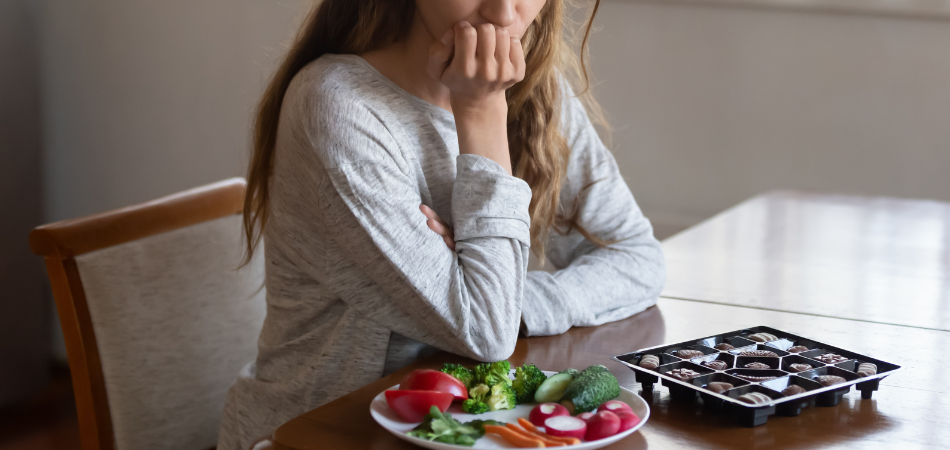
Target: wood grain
<point>908,412</point>
<point>877,259</point>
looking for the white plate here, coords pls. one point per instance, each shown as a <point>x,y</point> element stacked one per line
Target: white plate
<point>389,420</point>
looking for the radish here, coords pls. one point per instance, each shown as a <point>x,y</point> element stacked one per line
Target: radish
<point>565,426</point>
<point>604,424</point>
<point>585,416</point>
<point>628,420</point>
<point>615,406</point>
<point>545,411</point>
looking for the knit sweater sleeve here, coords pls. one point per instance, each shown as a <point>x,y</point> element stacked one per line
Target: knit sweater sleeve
<point>596,285</point>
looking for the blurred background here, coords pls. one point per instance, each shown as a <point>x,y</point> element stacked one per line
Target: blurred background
<point>106,103</point>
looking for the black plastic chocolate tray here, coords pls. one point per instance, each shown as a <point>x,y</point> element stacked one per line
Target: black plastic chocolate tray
<point>778,367</point>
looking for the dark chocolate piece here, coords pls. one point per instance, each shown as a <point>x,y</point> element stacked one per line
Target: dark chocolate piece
<point>866,369</point>
<point>686,354</point>
<point>798,349</point>
<point>793,389</point>
<point>650,362</point>
<point>724,346</point>
<point>758,353</point>
<point>828,380</point>
<point>757,365</point>
<point>683,374</point>
<point>755,398</point>
<point>831,358</point>
<point>762,337</point>
<point>799,367</point>
<point>753,377</point>
<point>716,364</point>
<point>719,387</point>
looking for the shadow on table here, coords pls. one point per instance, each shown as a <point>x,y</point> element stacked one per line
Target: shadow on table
<point>688,424</point>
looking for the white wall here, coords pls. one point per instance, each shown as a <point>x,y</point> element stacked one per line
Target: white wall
<point>712,105</point>
<point>145,98</point>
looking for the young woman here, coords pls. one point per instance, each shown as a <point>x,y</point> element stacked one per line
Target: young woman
<point>408,155</point>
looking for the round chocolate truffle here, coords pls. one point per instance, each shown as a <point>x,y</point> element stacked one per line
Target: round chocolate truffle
<point>724,346</point>
<point>759,353</point>
<point>650,362</point>
<point>757,365</point>
<point>828,380</point>
<point>683,374</point>
<point>798,349</point>
<point>686,354</point>
<point>799,367</point>
<point>716,364</point>
<point>762,337</point>
<point>866,369</point>
<point>831,358</point>
<point>755,398</point>
<point>719,387</point>
<point>793,389</point>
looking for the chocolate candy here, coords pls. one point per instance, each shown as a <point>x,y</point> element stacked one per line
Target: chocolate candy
<point>762,337</point>
<point>686,354</point>
<point>724,346</point>
<point>650,362</point>
<point>799,367</point>
<point>719,387</point>
<point>716,364</point>
<point>753,377</point>
<point>866,369</point>
<point>757,365</point>
<point>755,398</point>
<point>828,380</point>
<point>798,349</point>
<point>758,353</point>
<point>831,358</point>
<point>683,374</point>
<point>793,389</point>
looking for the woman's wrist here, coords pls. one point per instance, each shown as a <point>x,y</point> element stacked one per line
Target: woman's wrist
<point>482,126</point>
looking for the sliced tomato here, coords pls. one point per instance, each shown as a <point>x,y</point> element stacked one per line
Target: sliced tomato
<point>414,405</point>
<point>434,380</point>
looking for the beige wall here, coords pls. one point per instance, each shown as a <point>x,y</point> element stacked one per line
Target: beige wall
<point>145,98</point>
<point>712,105</point>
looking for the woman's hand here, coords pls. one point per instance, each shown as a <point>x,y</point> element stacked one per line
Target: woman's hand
<point>477,64</point>
<point>436,224</point>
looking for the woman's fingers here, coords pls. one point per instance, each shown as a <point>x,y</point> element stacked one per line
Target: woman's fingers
<point>502,49</point>
<point>466,41</point>
<point>517,59</point>
<point>440,54</point>
<point>485,50</point>
<point>436,224</point>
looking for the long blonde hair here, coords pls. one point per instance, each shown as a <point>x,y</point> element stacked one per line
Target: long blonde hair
<point>539,152</point>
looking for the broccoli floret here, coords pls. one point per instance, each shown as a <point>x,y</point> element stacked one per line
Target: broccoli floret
<point>473,406</point>
<point>458,371</point>
<point>493,373</point>
<point>502,397</point>
<point>527,379</point>
<point>480,392</point>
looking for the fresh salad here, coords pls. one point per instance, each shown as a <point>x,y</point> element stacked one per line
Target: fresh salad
<point>566,402</point>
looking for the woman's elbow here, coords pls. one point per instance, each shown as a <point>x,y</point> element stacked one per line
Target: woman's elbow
<point>497,347</point>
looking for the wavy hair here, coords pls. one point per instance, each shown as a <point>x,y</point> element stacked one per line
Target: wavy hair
<point>539,152</point>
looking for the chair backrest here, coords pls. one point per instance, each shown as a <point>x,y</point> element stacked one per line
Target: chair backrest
<point>157,318</point>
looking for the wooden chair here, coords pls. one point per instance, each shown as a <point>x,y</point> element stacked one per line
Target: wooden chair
<point>158,321</point>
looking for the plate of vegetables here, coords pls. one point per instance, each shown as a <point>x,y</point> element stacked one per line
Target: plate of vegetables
<point>494,406</point>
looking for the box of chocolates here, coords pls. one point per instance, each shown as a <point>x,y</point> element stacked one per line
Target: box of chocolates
<point>757,372</point>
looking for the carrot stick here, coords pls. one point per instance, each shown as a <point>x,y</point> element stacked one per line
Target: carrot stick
<point>543,438</point>
<point>533,429</point>
<point>513,437</point>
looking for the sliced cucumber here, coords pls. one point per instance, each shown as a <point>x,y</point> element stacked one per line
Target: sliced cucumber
<point>552,389</point>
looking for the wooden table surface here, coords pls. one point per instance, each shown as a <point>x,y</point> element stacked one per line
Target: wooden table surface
<point>876,259</point>
<point>866,274</point>
<point>909,411</point>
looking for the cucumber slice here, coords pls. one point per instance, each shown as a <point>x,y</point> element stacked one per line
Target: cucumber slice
<point>552,389</point>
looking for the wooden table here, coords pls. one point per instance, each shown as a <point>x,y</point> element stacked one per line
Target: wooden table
<point>875,259</point>
<point>863,274</point>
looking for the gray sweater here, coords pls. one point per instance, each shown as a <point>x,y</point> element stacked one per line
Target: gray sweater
<point>357,284</point>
